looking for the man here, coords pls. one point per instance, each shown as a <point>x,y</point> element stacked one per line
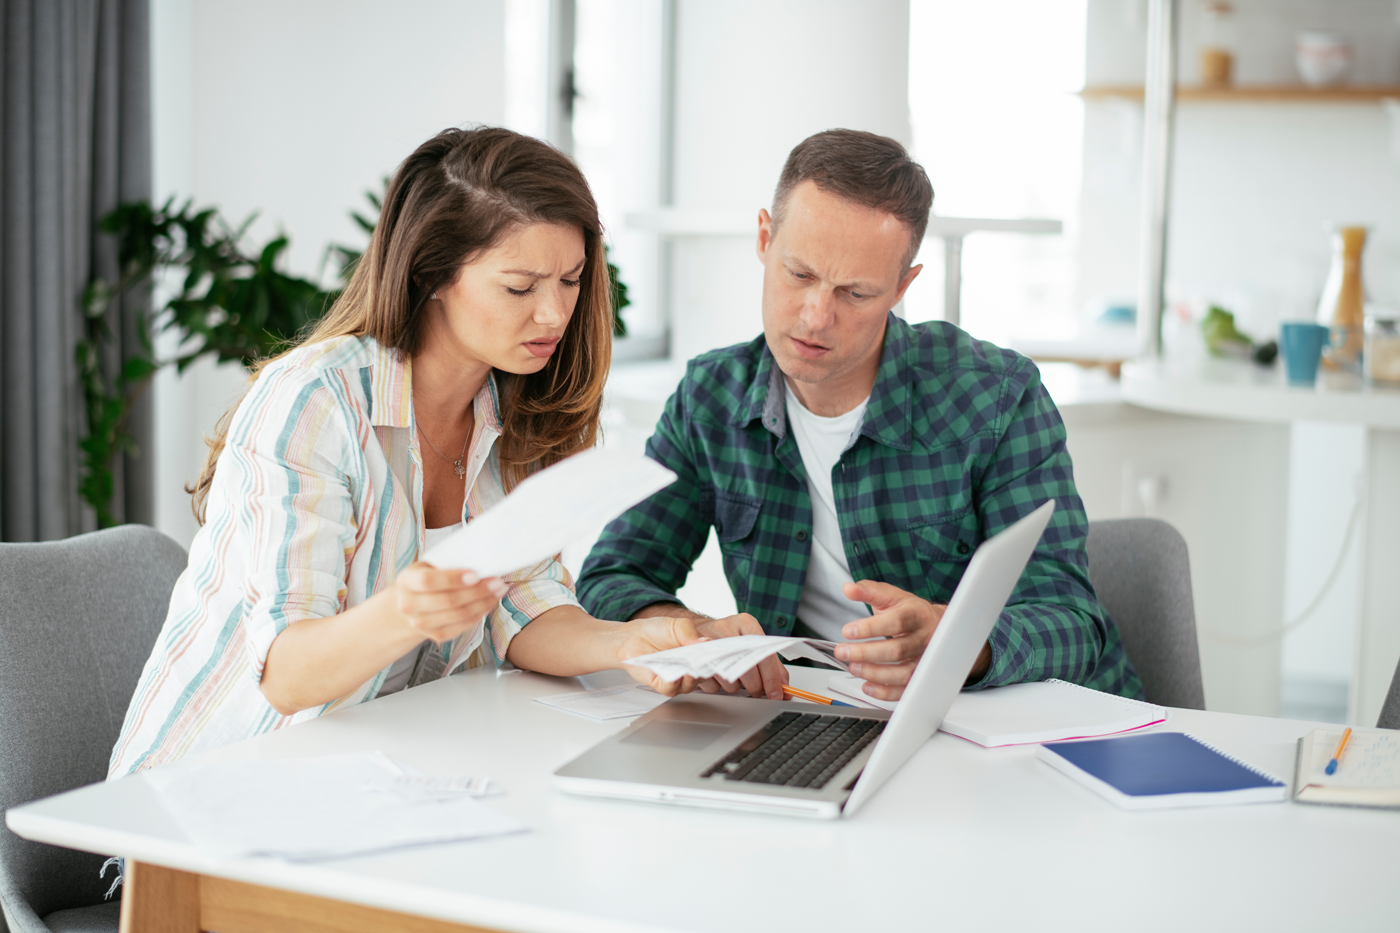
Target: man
<point>850,463</point>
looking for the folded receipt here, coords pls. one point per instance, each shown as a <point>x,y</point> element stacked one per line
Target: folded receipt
<point>730,658</point>
<point>551,510</point>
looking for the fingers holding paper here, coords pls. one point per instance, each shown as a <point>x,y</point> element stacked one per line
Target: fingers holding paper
<point>653,634</point>
<point>443,604</point>
<point>765,680</point>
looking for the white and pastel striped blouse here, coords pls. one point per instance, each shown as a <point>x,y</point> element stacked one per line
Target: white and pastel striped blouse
<point>315,507</point>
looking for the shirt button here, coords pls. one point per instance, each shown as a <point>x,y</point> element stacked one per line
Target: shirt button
<point>782,621</point>
<point>963,548</point>
<point>802,534</point>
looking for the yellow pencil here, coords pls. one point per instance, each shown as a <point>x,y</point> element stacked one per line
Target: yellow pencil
<point>1336,756</point>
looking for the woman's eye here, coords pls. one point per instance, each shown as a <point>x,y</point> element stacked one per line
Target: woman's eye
<point>572,283</point>
<point>521,291</point>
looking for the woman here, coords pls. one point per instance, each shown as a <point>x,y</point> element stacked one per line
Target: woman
<point>468,351</point>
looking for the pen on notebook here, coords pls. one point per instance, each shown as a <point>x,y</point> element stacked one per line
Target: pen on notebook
<point>814,697</point>
<point>1337,755</point>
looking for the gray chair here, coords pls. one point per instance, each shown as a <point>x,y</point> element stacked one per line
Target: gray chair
<point>78,619</point>
<point>1140,569</point>
<point>1390,710</point>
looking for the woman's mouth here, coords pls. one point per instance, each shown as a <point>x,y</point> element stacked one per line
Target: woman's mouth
<point>542,347</point>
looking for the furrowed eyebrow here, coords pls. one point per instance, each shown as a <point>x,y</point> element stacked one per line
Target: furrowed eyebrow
<point>530,274</point>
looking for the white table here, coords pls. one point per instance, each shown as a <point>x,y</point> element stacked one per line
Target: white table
<point>961,838</point>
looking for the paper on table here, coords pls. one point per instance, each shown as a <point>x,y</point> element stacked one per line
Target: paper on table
<point>1029,713</point>
<point>730,658</point>
<point>414,787</point>
<point>310,808</point>
<point>550,510</point>
<point>608,702</point>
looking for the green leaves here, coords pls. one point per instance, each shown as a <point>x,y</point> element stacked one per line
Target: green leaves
<point>230,304</point>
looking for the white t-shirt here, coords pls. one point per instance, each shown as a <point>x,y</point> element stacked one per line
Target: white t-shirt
<point>402,669</point>
<point>824,608</point>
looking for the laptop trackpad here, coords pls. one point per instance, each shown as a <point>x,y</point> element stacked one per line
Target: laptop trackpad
<point>671,734</point>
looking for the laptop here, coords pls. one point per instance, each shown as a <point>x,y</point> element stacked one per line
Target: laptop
<point>773,756</point>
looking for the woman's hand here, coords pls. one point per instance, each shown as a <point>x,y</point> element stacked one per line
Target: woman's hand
<point>442,604</point>
<point>646,636</point>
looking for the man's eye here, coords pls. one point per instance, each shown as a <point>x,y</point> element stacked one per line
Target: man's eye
<point>858,295</point>
<point>801,275</point>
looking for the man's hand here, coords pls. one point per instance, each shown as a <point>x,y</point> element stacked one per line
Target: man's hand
<point>765,680</point>
<point>906,623</point>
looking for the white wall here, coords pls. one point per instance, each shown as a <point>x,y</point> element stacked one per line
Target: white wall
<point>752,81</point>
<point>294,108</point>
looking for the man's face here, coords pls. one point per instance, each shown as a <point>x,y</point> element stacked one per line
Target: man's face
<point>831,272</point>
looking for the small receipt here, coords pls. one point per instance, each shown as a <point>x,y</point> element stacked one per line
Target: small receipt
<point>421,787</point>
<point>608,703</point>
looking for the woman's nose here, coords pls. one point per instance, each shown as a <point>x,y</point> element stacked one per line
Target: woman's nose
<point>553,306</point>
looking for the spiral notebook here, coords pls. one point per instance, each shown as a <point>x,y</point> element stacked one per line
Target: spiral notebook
<point>1162,769</point>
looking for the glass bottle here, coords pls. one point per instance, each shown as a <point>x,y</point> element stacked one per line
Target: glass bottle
<point>1217,53</point>
<point>1383,351</point>
<point>1343,303</point>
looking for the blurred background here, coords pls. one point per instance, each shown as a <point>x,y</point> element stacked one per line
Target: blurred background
<point>1029,117</point>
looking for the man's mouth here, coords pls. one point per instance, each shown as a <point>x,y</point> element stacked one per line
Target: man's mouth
<point>809,350</point>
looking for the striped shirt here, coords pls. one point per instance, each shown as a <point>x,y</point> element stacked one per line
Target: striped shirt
<point>317,505</point>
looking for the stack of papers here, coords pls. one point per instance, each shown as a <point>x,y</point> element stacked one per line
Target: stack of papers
<point>1026,714</point>
<point>551,510</point>
<point>608,703</point>
<point>314,808</point>
<point>731,658</point>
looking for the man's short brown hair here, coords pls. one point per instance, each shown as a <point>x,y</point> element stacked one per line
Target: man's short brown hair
<point>875,171</point>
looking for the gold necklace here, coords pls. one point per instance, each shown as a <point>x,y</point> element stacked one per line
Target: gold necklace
<point>457,466</point>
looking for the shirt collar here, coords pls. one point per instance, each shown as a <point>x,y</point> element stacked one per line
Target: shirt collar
<point>391,393</point>
<point>888,416</point>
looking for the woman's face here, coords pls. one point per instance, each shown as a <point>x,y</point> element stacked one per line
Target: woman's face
<point>510,305</point>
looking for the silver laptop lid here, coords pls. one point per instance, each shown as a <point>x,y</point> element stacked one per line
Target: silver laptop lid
<point>982,593</point>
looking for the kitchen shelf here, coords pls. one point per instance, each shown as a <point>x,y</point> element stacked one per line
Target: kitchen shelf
<point>1258,93</point>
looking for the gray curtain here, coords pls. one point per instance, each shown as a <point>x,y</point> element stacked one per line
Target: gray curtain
<point>74,143</point>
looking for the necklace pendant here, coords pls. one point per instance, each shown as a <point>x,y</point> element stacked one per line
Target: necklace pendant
<point>457,468</point>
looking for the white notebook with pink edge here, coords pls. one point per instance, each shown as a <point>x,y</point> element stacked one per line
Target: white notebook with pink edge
<point>1027,714</point>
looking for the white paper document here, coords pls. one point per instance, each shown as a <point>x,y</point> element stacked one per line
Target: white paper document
<point>730,658</point>
<point>607,703</point>
<point>415,787</point>
<point>550,510</point>
<point>1029,713</point>
<point>313,808</point>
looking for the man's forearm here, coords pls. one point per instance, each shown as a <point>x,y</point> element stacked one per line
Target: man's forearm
<point>672,610</point>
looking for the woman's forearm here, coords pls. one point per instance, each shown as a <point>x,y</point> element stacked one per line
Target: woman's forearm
<point>566,641</point>
<point>314,661</point>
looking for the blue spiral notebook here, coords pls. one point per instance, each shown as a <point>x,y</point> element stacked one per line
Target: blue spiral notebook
<point>1162,769</point>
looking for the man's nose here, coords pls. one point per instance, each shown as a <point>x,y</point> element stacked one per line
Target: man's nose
<point>819,310</point>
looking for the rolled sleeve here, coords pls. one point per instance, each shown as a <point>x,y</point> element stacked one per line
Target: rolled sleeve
<point>297,518</point>
<point>529,595</point>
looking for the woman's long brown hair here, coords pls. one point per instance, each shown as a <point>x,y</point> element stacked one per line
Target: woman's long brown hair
<point>457,194</point>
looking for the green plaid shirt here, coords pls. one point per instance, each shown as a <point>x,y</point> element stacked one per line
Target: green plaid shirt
<point>960,439</point>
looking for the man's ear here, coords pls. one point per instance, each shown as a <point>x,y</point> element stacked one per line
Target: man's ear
<point>905,282</point>
<point>765,233</point>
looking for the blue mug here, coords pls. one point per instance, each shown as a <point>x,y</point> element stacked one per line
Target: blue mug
<point>1302,351</point>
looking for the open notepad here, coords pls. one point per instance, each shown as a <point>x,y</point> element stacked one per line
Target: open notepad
<point>1368,773</point>
<point>1025,714</point>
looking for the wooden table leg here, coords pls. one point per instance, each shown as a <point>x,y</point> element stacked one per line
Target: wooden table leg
<point>164,900</point>
<point>159,900</point>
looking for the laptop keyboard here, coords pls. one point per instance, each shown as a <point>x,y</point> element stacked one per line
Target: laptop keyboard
<point>798,750</point>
